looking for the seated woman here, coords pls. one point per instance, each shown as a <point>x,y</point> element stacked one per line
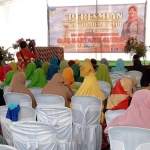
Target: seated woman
<point>76,71</point>
<point>31,67</point>
<point>55,61</point>
<point>9,77</point>
<point>86,68</point>
<point>52,69</point>
<point>14,66</point>
<point>102,74</point>
<point>119,66</point>
<point>63,65</point>
<point>17,85</point>
<point>71,62</point>
<point>121,94</point>
<point>77,62</point>
<point>69,78</point>
<point>94,64</point>
<point>137,65</point>
<point>7,68</point>
<point>58,86</point>
<point>137,115</point>
<point>105,62</point>
<point>38,80</point>
<point>45,67</point>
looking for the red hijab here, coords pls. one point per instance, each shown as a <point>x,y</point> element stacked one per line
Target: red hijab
<point>131,19</point>
<point>1,74</point>
<point>71,62</point>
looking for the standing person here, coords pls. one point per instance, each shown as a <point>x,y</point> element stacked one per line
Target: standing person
<point>134,26</point>
<point>24,56</point>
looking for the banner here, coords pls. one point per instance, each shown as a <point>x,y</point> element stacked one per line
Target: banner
<point>96,29</point>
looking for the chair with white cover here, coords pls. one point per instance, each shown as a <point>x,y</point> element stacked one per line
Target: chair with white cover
<point>25,114</point>
<point>111,114</point>
<point>49,99</point>
<point>127,137</point>
<point>145,146</point>
<point>18,98</point>
<point>78,83</point>
<point>105,86</point>
<point>33,135</point>
<point>86,112</point>
<point>60,118</point>
<point>5,89</point>
<point>137,75</point>
<point>74,91</point>
<point>6,147</point>
<point>35,91</point>
<point>27,82</point>
<point>114,81</point>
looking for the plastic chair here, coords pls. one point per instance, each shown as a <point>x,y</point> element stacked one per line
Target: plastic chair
<point>137,75</point>
<point>49,99</point>
<point>111,114</point>
<point>127,138</point>
<point>35,91</point>
<point>25,113</point>
<point>86,112</point>
<point>18,98</point>
<point>106,87</point>
<point>145,146</point>
<point>60,118</point>
<point>6,147</point>
<point>33,136</point>
<point>5,89</point>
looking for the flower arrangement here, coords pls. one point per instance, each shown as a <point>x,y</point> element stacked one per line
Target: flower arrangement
<point>133,46</point>
<point>16,45</point>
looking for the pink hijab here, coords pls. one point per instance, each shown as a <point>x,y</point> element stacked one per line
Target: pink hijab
<point>131,19</point>
<point>6,69</point>
<point>137,114</point>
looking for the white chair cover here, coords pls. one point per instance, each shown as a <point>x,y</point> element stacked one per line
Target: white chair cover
<point>6,147</point>
<point>27,82</point>
<point>49,99</point>
<point>33,136</point>
<point>86,112</point>
<point>18,98</point>
<point>145,146</point>
<point>127,138</point>
<point>25,114</point>
<point>5,89</point>
<point>111,114</point>
<point>78,83</point>
<point>74,91</point>
<point>137,75</point>
<point>35,91</point>
<point>114,81</point>
<point>61,118</point>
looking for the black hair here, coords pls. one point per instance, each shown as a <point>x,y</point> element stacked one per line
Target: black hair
<point>145,80</point>
<point>93,61</point>
<point>23,44</point>
<point>135,57</point>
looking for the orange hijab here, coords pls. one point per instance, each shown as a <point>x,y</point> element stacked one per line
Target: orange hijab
<point>68,75</point>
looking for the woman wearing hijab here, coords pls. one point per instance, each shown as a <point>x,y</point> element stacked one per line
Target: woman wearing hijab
<point>121,94</point>
<point>77,62</point>
<point>7,68</point>
<point>137,65</point>
<point>119,66</point>
<point>2,102</point>
<point>58,86</point>
<point>69,78</point>
<point>45,67</point>
<point>71,62</point>
<point>9,77</point>
<point>38,80</point>
<point>94,64</point>
<point>134,26</point>
<point>52,69</point>
<point>54,61</point>
<point>86,68</point>
<point>14,66</point>
<point>38,63</point>
<point>105,62</point>
<point>63,65</point>
<point>31,67</point>
<point>76,71</point>
<point>17,85</point>
<point>102,74</point>
<point>137,115</point>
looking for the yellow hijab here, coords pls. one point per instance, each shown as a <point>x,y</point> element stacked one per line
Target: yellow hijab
<point>77,61</point>
<point>14,66</point>
<point>86,68</point>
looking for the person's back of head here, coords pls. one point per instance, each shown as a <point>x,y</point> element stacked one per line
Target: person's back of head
<point>23,44</point>
<point>135,57</point>
<point>93,61</point>
<point>145,80</point>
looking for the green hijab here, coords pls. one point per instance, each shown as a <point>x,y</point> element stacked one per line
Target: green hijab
<point>63,65</point>
<point>31,67</point>
<point>38,80</point>
<point>102,74</point>
<point>76,71</point>
<point>9,77</point>
<point>45,67</point>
